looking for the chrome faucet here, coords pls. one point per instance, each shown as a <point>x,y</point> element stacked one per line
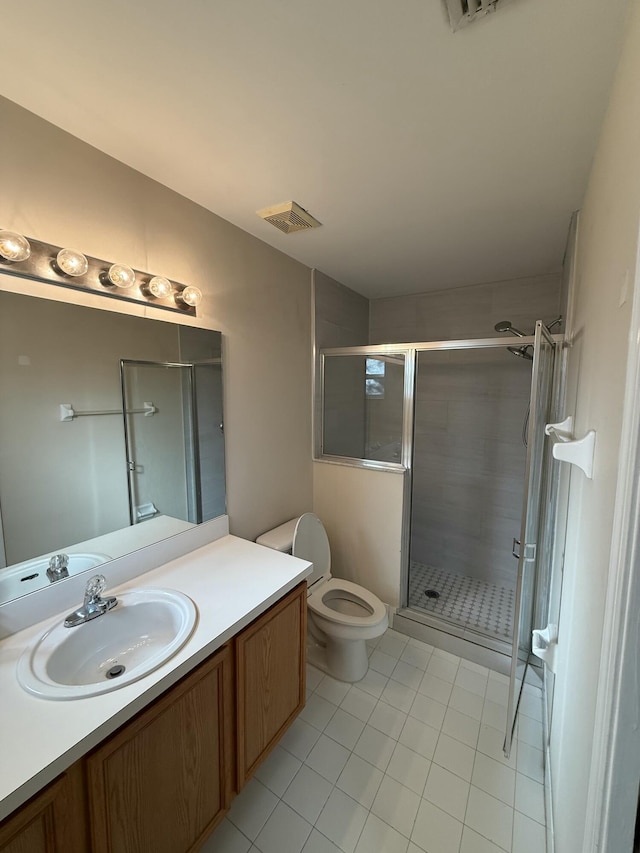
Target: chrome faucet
<point>58,567</point>
<point>94,605</point>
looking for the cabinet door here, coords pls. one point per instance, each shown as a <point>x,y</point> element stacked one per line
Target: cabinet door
<point>52,822</point>
<point>270,678</point>
<point>163,782</point>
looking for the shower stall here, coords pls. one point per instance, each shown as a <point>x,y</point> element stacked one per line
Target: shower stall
<point>467,486</point>
<point>464,420</point>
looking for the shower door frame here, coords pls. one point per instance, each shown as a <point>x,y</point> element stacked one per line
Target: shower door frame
<point>434,622</point>
<point>408,354</point>
<point>411,350</point>
<point>535,521</point>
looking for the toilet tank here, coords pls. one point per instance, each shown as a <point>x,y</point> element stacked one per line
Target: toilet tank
<point>280,538</point>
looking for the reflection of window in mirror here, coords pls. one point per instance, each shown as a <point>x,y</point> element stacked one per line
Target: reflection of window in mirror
<point>374,377</point>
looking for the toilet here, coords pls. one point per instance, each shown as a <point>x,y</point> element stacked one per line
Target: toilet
<point>342,615</point>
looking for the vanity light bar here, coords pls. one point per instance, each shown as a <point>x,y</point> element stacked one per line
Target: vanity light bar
<point>67,267</point>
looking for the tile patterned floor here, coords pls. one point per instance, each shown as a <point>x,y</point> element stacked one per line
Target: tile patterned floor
<point>409,760</point>
<point>469,602</point>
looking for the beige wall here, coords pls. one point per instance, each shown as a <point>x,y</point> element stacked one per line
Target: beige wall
<point>361,510</point>
<point>60,190</point>
<point>606,258</point>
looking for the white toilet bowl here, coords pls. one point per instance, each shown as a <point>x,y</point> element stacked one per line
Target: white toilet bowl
<point>342,615</point>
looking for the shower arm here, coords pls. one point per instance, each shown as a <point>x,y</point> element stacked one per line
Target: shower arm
<point>507,326</point>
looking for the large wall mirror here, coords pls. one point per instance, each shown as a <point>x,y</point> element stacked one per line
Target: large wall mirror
<point>111,436</point>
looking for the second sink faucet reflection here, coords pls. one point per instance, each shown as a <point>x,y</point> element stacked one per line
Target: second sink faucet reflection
<point>94,605</point>
<point>58,567</point>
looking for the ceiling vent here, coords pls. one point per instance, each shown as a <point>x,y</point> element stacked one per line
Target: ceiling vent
<point>462,12</point>
<point>289,217</point>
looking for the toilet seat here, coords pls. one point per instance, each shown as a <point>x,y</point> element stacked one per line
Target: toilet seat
<point>336,588</point>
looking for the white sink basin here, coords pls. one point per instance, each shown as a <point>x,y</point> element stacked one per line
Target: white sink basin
<point>145,629</point>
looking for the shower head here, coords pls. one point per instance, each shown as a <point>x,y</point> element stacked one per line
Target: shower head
<point>505,326</point>
<point>522,352</point>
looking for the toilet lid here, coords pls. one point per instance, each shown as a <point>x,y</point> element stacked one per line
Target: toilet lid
<point>310,543</point>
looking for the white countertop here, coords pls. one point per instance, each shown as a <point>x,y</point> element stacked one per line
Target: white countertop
<point>231,582</point>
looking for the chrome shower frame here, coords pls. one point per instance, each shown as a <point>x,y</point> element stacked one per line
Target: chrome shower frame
<point>410,350</point>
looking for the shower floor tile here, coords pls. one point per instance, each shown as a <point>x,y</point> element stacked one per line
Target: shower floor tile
<point>468,602</point>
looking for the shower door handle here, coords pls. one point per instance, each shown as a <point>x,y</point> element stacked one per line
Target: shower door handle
<point>516,543</point>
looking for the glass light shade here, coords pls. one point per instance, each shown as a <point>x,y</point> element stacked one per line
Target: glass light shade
<point>191,296</point>
<point>13,246</point>
<point>121,275</point>
<point>160,287</point>
<point>72,262</point>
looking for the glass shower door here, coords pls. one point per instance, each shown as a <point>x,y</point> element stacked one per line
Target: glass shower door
<point>527,548</point>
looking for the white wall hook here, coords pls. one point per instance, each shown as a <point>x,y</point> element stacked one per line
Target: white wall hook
<point>576,451</point>
<point>544,644</point>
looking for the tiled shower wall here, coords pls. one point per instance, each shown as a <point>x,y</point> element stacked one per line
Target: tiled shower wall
<point>464,312</point>
<point>342,320</point>
<point>341,314</point>
<point>468,462</point>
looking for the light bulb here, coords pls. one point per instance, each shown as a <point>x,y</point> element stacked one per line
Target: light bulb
<point>72,262</point>
<point>121,275</point>
<point>191,296</point>
<point>160,287</point>
<point>13,246</point>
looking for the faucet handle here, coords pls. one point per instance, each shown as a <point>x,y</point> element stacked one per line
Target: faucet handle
<point>94,588</point>
<point>94,605</point>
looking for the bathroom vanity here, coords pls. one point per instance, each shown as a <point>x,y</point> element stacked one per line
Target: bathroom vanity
<point>155,765</point>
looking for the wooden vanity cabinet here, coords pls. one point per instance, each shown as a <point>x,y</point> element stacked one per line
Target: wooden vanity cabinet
<point>270,679</point>
<point>54,821</point>
<point>163,782</point>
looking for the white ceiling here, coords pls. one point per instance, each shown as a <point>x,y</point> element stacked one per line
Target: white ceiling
<point>432,159</point>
